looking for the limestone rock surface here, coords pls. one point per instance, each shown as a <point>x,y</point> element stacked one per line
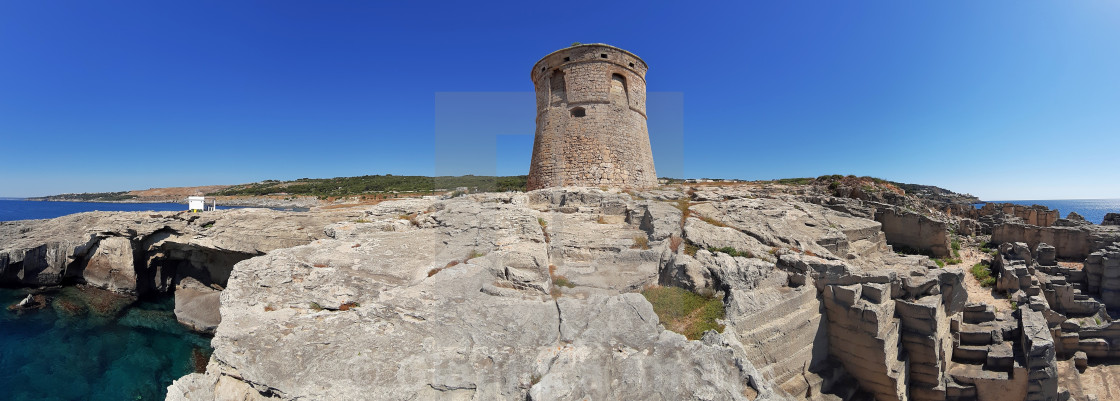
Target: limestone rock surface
<point>143,252</point>
<point>379,311</point>
<point>196,305</point>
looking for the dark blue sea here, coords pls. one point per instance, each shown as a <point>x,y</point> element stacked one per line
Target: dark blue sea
<point>14,209</point>
<point>80,349</point>
<point>1092,210</point>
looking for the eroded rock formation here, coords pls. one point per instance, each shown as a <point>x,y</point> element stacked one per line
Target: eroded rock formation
<point>143,253</point>
<point>409,293</point>
<point>533,296</point>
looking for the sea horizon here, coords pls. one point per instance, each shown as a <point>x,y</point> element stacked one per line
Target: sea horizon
<point>23,209</point>
<point>1093,210</point>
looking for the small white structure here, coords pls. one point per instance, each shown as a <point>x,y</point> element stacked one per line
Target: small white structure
<point>196,203</point>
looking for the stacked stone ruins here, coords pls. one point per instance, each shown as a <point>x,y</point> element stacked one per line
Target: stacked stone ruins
<point>591,120</point>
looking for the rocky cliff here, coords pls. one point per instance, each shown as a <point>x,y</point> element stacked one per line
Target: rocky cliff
<point>460,301</point>
<point>536,296</point>
<point>142,253</point>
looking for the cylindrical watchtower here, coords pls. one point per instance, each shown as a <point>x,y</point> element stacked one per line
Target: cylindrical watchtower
<point>591,120</point>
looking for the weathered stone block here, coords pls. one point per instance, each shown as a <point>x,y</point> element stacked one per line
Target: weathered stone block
<point>987,314</point>
<point>876,293</point>
<point>847,295</point>
<point>1047,254</point>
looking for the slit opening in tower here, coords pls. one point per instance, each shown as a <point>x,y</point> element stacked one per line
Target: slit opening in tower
<point>579,112</point>
<point>558,89</point>
<point>619,94</point>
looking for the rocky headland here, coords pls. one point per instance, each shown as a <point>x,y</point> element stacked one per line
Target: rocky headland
<point>546,294</point>
<point>180,194</point>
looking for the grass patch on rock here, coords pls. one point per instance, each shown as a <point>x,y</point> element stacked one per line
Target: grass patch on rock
<point>732,252</point>
<point>983,274</point>
<point>558,280</point>
<point>690,249</point>
<point>946,261</point>
<point>683,205</point>
<point>712,221</point>
<point>684,311</point>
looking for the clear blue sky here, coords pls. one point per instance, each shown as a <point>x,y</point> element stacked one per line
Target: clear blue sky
<point>1002,99</point>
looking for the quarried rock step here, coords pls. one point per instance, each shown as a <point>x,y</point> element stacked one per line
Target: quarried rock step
<point>977,354</point>
<point>1000,357</point>
<point>979,313</point>
<point>957,391</point>
<point>966,373</point>
<point>975,334</point>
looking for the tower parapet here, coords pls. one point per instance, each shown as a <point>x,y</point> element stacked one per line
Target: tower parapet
<point>591,120</point>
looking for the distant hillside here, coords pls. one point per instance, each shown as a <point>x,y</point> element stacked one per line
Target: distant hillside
<point>156,195</point>
<point>393,184</point>
<point>930,192</point>
<point>838,183</point>
<point>373,184</point>
<point>88,197</point>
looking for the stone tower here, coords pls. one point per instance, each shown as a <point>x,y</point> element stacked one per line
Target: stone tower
<point>591,120</point>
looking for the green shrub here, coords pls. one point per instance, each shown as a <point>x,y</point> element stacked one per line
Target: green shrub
<point>732,251</point>
<point>983,274</point>
<point>376,184</point>
<point>989,248</point>
<point>939,263</point>
<point>794,181</point>
<point>685,312</point>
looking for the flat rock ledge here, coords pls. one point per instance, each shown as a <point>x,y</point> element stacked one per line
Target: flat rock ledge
<point>451,300</point>
<point>534,296</point>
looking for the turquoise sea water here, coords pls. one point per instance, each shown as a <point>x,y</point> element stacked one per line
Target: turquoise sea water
<point>1092,209</point>
<point>91,349</point>
<point>83,349</point>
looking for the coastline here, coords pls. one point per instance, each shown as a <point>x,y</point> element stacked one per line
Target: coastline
<point>303,202</point>
<point>297,283</point>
